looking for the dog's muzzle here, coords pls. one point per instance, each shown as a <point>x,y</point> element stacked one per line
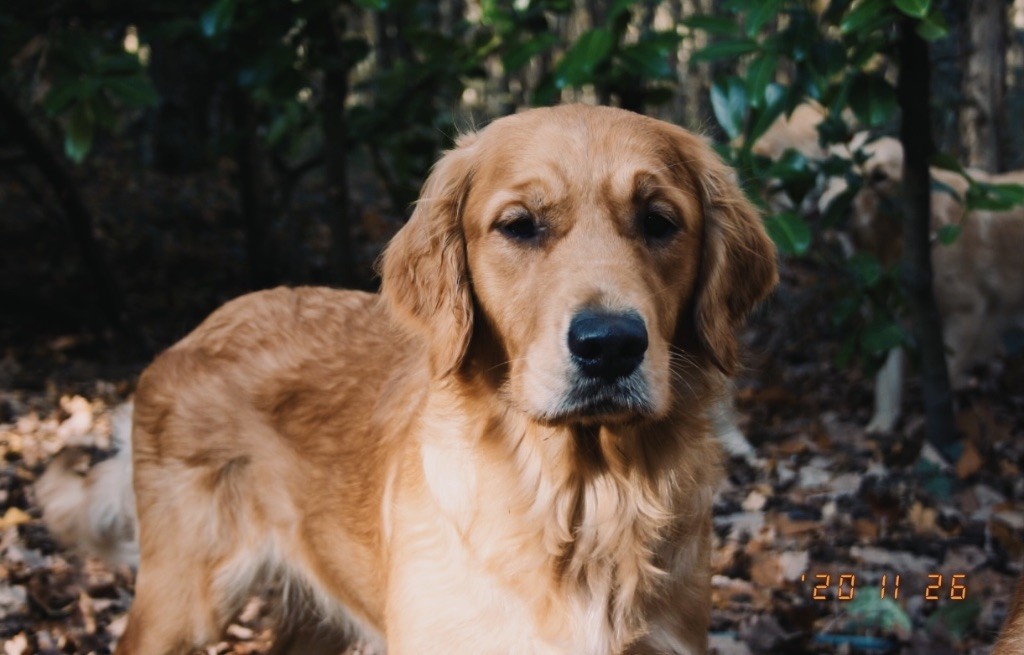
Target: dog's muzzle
<point>605,345</point>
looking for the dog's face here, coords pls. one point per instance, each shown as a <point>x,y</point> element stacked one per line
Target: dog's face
<point>874,221</point>
<point>600,252</point>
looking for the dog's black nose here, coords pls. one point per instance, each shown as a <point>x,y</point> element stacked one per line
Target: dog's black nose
<point>607,345</point>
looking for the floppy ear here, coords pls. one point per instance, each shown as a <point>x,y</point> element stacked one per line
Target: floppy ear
<point>738,261</point>
<point>424,273</point>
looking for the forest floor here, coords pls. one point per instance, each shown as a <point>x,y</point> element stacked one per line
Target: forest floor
<point>821,501</point>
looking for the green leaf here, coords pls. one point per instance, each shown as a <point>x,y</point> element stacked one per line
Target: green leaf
<point>63,94</point>
<point>958,618</point>
<point>828,58</point>
<point>775,104</point>
<point>103,112</point>
<point>994,197</point>
<point>862,16</point>
<point>790,233</point>
<point>81,129</point>
<point>373,5</point>
<point>840,206</point>
<point>218,17</point>
<point>497,15</point>
<point>649,57</point>
<point>729,103</point>
<point>725,49</point>
<point>881,336</point>
<point>578,64</point>
<point>845,308</point>
<point>835,11</point>
<point>833,130</point>
<point>520,55</point>
<point>948,234</point>
<point>760,74</point>
<point>870,610</point>
<point>135,91</point>
<point>716,25</point>
<point>867,46</point>
<point>914,8</point>
<point>120,64</point>
<point>791,165</point>
<point>866,268</point>
<point>934,26</point>
<point>948,162</point>
<point>279,127</point>
<point>872,99</point>
<point>620,7</point>
<point>847,351</point>
<point>931,477</point>
<point>545,93</point>
<point>760,14</point>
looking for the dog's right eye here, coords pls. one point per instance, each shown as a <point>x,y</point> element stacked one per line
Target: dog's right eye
<point>521,228</point>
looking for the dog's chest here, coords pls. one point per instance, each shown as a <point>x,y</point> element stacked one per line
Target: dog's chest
<point>573,557</point>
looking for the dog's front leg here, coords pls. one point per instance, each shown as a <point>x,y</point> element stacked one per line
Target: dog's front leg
<point>888,393</point>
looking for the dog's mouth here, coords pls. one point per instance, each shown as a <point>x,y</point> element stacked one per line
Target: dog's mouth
<point>597,401</point>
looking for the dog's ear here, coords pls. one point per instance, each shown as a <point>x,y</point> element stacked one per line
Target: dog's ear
<point>424,275</point>
<point>738,259</point>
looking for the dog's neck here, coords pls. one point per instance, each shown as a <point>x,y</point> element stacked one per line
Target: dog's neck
<point>604,498</point>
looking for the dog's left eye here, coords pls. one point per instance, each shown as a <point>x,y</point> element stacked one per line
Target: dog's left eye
<point>521,228</point>
<point>657,225</point>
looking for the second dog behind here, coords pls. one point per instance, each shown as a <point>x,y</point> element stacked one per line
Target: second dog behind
<point>978,278</point>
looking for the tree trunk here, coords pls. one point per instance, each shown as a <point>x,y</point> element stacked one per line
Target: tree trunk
<point>633,94</point>
<point>983,119</point>
<point>914,90</point>
<point>694,86</point>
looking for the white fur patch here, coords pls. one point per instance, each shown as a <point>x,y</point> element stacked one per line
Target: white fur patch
<point>448,462</point>
<point>388,504</point>
<point>888,393</point>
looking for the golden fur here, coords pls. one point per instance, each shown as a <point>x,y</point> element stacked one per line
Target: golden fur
<point>1011,641</point>
<point>415,468</point>
<point>979,278</point>
<point>795,131</point>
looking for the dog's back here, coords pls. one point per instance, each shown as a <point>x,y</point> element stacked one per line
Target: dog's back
<point>979,278</point>
<point>258,494</point>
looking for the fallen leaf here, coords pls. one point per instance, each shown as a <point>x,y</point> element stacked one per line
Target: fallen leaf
<point>970,461</point>
<point>12,517</point>
<point>754,501</point>
<point>17,645</point>
<point>869,610</point>
<point>924,519</point>
<point>793,564</point>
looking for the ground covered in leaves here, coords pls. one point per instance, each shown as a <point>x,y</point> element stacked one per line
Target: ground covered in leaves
<point>828,540</point>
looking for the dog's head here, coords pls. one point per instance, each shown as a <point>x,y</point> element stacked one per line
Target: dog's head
<point>591,256</point>
<point>874,222</point>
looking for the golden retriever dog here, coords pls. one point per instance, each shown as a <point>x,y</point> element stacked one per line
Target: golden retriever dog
<point>796,131</point>
<point>1011,641</point>
<point>507,451</point>
<point>979,278</point>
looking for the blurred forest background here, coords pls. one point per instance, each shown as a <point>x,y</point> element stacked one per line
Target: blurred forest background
<point>159,157</point>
